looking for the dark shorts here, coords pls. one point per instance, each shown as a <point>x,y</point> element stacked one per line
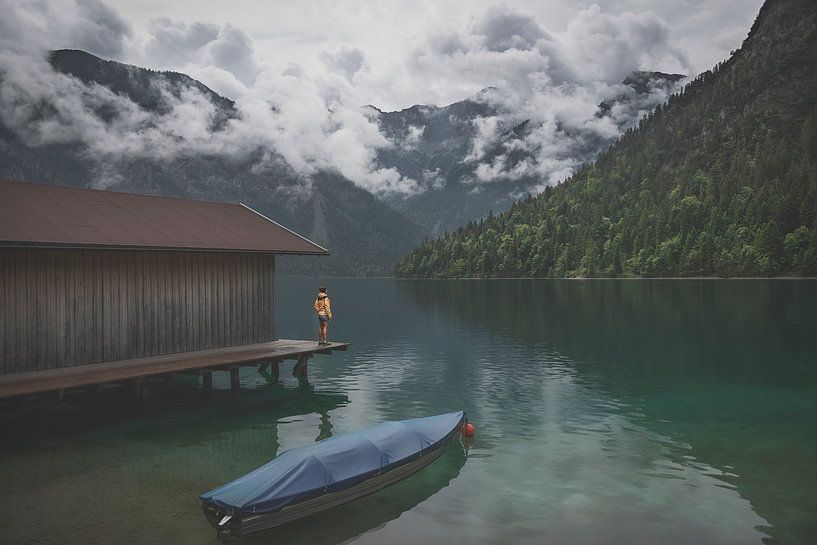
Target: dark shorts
<point>323,318</point>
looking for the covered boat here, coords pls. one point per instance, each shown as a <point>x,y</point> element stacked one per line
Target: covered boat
<point>307,480</point>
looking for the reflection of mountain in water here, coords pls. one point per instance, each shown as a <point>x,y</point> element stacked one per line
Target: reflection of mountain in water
<point>725,366</point>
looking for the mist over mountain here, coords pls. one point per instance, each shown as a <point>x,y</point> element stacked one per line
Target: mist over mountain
<point>721,181</point>
<point>81,120</point>
<point>291,137</point>
<point>481,154</point>
<point>149,89</point>
<point>365,236</point>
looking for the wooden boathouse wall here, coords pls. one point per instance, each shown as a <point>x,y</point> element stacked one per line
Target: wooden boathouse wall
<point>69,307</point>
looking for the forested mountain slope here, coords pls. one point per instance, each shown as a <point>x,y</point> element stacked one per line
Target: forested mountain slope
<point>436,146</point>
<point>721,181</point>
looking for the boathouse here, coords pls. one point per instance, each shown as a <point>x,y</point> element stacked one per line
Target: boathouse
<point>101,286</point>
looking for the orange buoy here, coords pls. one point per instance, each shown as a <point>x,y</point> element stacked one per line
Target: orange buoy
<point>468,430</point>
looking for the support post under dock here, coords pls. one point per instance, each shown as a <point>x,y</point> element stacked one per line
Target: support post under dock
<point>207,361</point>
<point>301,368</point>
<point>235,380</point>
<point>270,365</point>
<point>207,380</point>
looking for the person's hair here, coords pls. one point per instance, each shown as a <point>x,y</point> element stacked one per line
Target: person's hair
<point>322,290</point>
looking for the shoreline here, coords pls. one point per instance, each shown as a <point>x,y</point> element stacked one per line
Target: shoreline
<point>572,278</point>
<point>585,279</point>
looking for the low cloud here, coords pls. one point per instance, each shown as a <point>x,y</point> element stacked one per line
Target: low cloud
<point>546,87</point>
<point>347,61</point>
<point>311,116</point>
<point>90,25</point>
<point>606,47</point>
<point>98,29</point>
<point>309,122</point>
<point>555,129</point>
<point>501,30</point>
<point>202,44</point>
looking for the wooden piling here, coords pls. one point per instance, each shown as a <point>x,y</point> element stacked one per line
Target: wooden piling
<point>235,381</point>
<point>207,380</point>
<point>301,368</point>
<point>78,376</point>
<point>142,393</point>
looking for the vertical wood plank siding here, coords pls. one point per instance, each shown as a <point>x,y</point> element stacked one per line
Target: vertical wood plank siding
<point>60,308</point>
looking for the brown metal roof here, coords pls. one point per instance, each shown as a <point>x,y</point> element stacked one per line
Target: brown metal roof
<point>43,215</point>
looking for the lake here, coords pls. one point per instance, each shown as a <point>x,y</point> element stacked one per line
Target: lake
<point>607,411</point>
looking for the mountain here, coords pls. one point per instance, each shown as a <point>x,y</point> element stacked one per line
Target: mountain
<point>127,131</point>
<point>430,145</point>
<point>142,86</point>
<point>436,146</point>
<point>721,181</point>
<point>364,235</point>
<point>641,83</point>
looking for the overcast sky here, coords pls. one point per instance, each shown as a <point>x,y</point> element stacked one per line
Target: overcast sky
<point>399,53</point>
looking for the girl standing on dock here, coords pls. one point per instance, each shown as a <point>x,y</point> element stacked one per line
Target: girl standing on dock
<point>324,310</point>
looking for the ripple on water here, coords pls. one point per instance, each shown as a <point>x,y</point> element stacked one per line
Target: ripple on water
<point>589,429</point>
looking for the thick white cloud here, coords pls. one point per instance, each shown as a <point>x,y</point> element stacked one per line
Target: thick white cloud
<point>347,61</point>
<point>300,74</point>
<point>607,47</point>
<point>502,29</point>
<point>552,81</point>
<point>90,25</point>
<point>202,44</point>
<point>386,31</point>
<point>506,49</point>
<point>175,42</point>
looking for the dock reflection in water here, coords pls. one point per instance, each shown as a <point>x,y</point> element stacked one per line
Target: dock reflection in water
<point>100,472</point>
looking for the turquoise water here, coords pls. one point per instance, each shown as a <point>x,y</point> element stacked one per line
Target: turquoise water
<point>615,412</point>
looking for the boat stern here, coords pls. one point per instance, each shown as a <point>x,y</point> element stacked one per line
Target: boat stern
<point>227,524</point>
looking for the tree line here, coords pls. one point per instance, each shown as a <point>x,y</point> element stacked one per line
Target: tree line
<point>720,181</point>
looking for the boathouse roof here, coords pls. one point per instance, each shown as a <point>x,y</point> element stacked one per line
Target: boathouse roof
<point>40,215</point>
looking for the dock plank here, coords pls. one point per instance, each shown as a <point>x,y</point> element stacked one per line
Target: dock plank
<point>17,384</point>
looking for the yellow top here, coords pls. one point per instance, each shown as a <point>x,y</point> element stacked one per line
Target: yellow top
<point>322,305</point>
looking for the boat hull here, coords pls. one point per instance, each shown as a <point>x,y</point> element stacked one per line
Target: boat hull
<point>242,524</point>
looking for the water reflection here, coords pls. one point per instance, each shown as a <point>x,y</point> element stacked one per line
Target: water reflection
<point>607,412</point>
<point>559,453</point>
<point>371,513</point>
<point>135,477</point>
<point>725,368</point>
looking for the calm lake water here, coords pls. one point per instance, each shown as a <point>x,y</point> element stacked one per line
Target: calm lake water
<point>609,412</point>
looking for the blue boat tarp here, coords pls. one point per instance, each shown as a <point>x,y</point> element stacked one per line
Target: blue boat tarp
<point>333,464</point>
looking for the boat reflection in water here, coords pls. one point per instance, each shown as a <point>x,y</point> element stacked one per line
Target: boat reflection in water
<point>344,523</point>
<point>314,478</point>
<point>185,441</point>
<point>115,454</point>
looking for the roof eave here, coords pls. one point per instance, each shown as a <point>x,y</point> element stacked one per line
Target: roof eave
<point>285,228</point>
<point>70,246</point>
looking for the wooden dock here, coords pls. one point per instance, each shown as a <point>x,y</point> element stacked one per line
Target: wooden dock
<point>217,359</point>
